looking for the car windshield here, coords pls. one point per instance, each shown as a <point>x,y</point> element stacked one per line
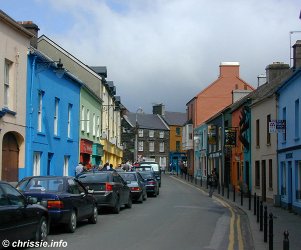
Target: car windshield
<point>154,165</point>
<point>147,175</point>
<point>128,176</point>
<point>95,177</point>
<point>42,185</point>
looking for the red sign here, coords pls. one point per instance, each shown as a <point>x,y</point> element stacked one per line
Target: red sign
<point>86,146</point>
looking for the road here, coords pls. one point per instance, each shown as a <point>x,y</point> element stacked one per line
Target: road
<point>181,217</point>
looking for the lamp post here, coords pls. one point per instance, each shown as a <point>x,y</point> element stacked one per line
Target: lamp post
<point>136,134</point>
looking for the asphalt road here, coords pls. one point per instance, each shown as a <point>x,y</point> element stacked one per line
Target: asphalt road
<point>181,217</point>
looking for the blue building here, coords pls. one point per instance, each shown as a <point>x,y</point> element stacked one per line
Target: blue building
<point>289,142</point>
<point>52,123</point>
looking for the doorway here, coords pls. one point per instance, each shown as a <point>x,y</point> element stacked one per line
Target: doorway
<point>263,181</point>
<point>10,158</point>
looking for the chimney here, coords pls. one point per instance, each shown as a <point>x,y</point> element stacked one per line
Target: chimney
<point>276,70</point>
<point>297,55</point>
<point>33,28</point>
<point>229,69</point>
<point>159,109</point>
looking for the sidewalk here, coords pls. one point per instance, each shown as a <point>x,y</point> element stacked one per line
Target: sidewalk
<point>282,219</point>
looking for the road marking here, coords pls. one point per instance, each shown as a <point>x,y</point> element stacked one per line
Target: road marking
<point>232,220</point>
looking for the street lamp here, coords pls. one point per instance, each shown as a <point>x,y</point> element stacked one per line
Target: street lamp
<point>140,110</point>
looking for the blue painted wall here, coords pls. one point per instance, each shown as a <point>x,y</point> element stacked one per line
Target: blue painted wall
<point>67,90</point>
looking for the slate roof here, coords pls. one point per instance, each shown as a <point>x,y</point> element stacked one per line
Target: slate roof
<point>100,70</point>
<point>175,118</point>
<point>147,121</point>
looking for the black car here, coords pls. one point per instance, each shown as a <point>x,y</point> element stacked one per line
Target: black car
<point>151,183</point>
<point>20,218</point>
<point>156,168</point>
<point>137,185</point>
<point>109,189</point>
<point>66,198</point>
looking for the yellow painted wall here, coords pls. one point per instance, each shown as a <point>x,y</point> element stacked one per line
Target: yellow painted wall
<point>174,137</point>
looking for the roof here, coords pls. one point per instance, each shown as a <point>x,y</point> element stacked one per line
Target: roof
<point>175,118</point>
<point>100,70</point>
<point>147,121</point>
<point>14,24</point>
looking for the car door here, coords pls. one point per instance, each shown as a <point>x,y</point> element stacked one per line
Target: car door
<point>88,199</point>
<point>16,215</point>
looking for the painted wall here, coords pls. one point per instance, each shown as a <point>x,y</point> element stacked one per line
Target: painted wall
<point>52,148</point>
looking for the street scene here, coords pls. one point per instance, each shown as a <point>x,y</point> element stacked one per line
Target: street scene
<point>150,124</point>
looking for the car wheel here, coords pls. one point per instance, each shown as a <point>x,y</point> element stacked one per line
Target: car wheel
<point>71,226</point>
<point>130,202</point>
<point>116,208</point>
<point>93,218</point>
<point>42,230</point>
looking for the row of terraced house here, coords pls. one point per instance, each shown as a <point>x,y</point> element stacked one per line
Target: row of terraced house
<point>55,110</point>
<point>251,136</point>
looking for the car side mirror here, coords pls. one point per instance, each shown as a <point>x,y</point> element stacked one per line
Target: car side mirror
<point>90,191</point>
<point>32,200</point>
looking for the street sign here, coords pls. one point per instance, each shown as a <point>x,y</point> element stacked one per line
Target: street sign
<point>272,126</point>
<point>277,126</point>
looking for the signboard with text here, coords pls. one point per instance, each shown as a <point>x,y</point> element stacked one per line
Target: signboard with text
<point>277,126</point>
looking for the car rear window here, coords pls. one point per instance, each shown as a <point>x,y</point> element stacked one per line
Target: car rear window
<point>155,166</point>
<point>147,175</point>
<point>99,177</point>
<point>43,185</point>
<point>128,177</point>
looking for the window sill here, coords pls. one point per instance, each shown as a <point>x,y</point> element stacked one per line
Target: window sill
<point>56,137</point>
<point>5,110</point>
<point>41,134</point>
<point>69,140</point>
<point>268,144</point>
<point>284,142</point>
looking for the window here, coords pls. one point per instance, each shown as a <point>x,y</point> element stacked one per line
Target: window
<point>15,198</point>
<point>283,184</point>
<point>161,147</point>
<point>36,163</point>
<point>161,134</point>
<point>98,127</point>
<point>178,146</point>
<point>257,173</point>
<point>88,121</point>
<point>66,165</point>
<point>270,173</point>
<point>151,146</point>
<point>94,124</point>
<point>257,134</point>
<point>69,120</point>
<point>56,116</point>
<point>162,162</point>
<point>298,192</point>
<point>284,118</point>
<point>151,133</point>
<point>267,130</point>
<point>140,132</point>
<point>297,117</point>
<point>83,119</point>
<point>7,67</point>
<point>178,131</point>
<point>219,138</point>
<point>140,146</point>
<point>40,109</point>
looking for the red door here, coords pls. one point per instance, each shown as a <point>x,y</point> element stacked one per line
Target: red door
<point>10,158</point>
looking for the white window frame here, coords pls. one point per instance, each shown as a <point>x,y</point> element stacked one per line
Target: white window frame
<point>162,161</point>
<point>40,111</point>
<point>7,67</point>
<point>94,124</point>
<point>66,165</point>
<point>88,121</point>
<point>161,147</point>
<point>140,146</point>
<point>151,133</point>
<point>83,118</point>
<point>140,132</point>
<point>36,164</point>
<point>56,116</point>
<point>69,120</point>
<point>151,146</point>
<point>161,134</point>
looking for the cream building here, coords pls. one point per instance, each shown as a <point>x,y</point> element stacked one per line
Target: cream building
<point>15,41</point>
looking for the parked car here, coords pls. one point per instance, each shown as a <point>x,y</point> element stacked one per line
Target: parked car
<point>109,189</point>
<point>66,198</point>
<point>156,168</point>
<point>20,217</point>
<point>137,185</point>
<point>151,183</point>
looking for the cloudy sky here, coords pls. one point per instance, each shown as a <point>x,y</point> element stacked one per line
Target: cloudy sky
<point>166,51</point>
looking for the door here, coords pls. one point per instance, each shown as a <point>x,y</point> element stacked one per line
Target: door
<point>263,181</point>
<point>290,185</point>
<point>50,155</point>
<point>10,158</point>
